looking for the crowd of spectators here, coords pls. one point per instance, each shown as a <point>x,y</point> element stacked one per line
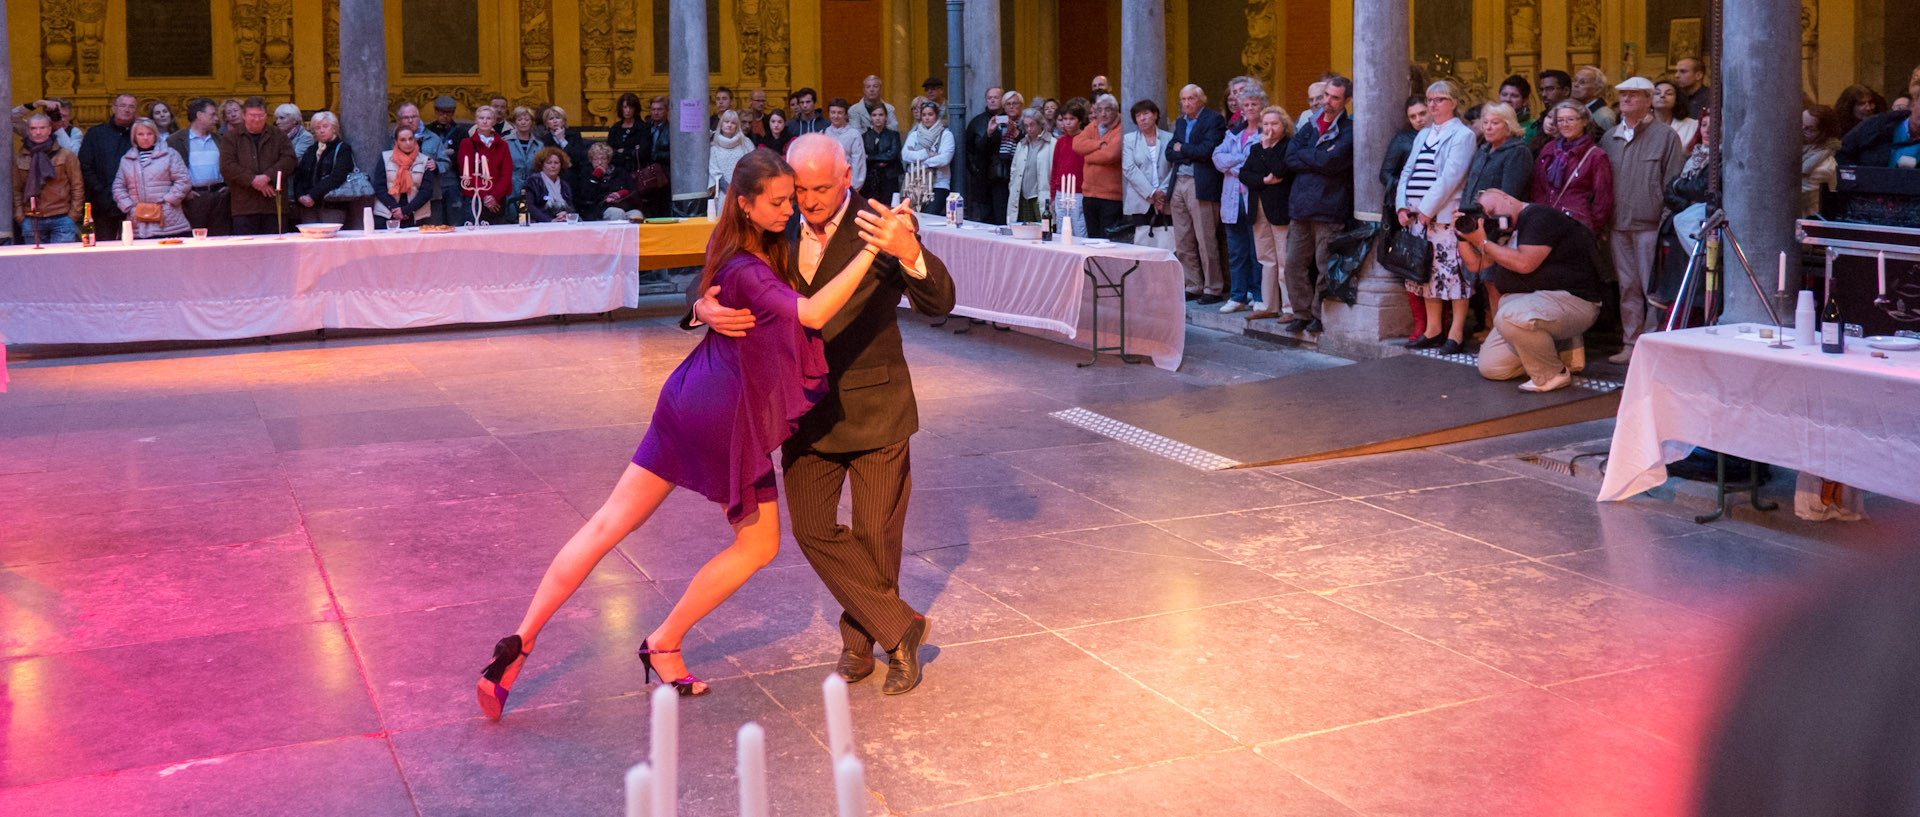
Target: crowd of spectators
<point>1621,162</point>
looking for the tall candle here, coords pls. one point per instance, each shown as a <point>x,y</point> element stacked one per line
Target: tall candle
<point>839,716</point>
<point>752,770</point>
<point>466,167</point>
<point>850,787</point>
<point>276,180</point>
<point>1783,272</point>
<point>666,750</point>
<point>483,167</point>
<point>33,206</point>
<point>1883,272</point>
<point>639,779</point>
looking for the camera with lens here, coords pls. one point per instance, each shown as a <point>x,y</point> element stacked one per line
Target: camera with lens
<point>1466,222</point>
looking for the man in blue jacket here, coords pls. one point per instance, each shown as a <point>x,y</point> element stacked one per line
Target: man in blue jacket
<point>1322,200</point>
<point>1194,190</point>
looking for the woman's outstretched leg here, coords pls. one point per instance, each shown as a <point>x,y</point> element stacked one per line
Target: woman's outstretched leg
<point>637,495</point>
<point>635,498</point>
<point>756,541</point>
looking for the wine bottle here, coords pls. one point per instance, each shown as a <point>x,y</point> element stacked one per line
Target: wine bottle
<point>1046,221</point>
<point>1833,333</point>
<point>525,217</point>
<point>86,226</point>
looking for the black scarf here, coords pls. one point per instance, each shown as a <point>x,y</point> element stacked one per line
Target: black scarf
<point>40,164</point>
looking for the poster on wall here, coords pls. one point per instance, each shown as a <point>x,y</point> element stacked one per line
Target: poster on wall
<point>1683,39</point>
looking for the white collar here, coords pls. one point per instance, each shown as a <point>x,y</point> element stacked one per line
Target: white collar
<point>826,233</point>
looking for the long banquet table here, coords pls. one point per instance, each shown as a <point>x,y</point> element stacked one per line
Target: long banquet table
<point>1045,286</point>
<point>246,287</point>
<point>1851,418</point>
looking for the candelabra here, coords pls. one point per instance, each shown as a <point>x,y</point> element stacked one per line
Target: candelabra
<point>472,185</point>
<point>917,187</point>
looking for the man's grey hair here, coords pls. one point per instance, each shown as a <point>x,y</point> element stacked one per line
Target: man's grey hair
<point>39,117</point>
<point>287,109</point>
<point>1108,99</point>
<point>1194,88</point>
<point>817,147</point>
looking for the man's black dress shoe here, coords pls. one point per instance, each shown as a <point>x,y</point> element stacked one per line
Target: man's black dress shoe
<point>1298,325</point>
<point>903,662</point>
<point>855,665</point>
<point>1193,296</point>
<point>1209,299</point>
<point>1315,326</point>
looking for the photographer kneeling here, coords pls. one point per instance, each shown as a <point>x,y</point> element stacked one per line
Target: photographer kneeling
<point>1549,285</point>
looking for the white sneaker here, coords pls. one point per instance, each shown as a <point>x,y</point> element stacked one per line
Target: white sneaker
<point>1232,306</point>
<point>1623,357</point>
<point>1259,306</point>
<point>1558,381</point>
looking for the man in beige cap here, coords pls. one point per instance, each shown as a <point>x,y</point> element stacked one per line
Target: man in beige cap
<point>1645,155</point>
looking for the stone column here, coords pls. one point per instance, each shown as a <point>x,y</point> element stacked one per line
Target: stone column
<point>363,83</point>
<point>982,18</point>
<point>6,102</point>
<point>1143,56</point>
<point>1760,159</point>
<point>957,91</point>
<point>687,83</point>
<point>1381,43</point>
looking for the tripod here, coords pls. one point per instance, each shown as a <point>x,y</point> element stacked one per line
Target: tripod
<point>1704,264</point>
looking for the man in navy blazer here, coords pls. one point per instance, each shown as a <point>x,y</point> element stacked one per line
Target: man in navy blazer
<point>1194,191</point>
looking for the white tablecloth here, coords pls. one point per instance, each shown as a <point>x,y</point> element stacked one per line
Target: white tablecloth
<point>1042,286</point>
<point>226,288</point>
<point>1850,418</point>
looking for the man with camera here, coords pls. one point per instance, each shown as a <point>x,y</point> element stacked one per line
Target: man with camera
<point>56,111</point>
<point>1549,282</point>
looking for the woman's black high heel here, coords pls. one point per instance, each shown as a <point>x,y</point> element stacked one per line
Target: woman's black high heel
<point>507,657</point>
<point>684,686</point>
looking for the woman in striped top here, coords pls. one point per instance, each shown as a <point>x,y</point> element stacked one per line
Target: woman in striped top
<point>1426,198</point>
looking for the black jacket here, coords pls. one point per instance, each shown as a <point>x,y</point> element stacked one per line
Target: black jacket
<point>1324,189</point>
<point>1869,143</point>
<point>1509,170</point>
<point>576,150</point>
<point>100,151</point>
<point>594,190</point>
<point>1398,151</point>
<point>869,403</point>
<point>632,147</point>
<point>534,195</point>
<point>1262,161</point>
<point>323,168</point>
<point>1208,130</point>
<point>883,163</point>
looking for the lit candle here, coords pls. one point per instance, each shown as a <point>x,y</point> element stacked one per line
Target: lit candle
<point>466,167</point>
<point>639,779</point>
<point>276,180</point>
<point>666,750</point>
<point>33,206</point>
<point>1783,272</point>
<point>1883,272</point>
<point>752,770</point>
<point>850,787</point>
<point>483,167</point>
<point>839,716</point>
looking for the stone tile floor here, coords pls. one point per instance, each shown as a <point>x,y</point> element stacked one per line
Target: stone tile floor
<point>261,579</point>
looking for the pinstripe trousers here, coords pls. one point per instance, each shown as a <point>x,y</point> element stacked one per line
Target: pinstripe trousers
<point>860,565</point>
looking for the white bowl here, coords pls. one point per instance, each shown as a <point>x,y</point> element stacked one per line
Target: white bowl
<point>318,230</point>
<point>1027,232</point>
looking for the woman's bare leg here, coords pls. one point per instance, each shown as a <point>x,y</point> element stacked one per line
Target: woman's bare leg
<point>634,498</point>
<point>756,540</point>
<point>1457,329</point>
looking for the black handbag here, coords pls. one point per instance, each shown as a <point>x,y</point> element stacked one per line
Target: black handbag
<point>1408,256</point>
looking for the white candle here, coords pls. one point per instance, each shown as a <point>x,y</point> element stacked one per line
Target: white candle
<point>752,770</point>
<point>850,787</point>
<point>276,180</point>
<point>1783,272</point>
<point>483,167</point>
<point>1883,273</point>
<point>639,779</point>
<point>126,233</point>
<point>666,750</point>
<point>466,168</point>
<point>839,716</point>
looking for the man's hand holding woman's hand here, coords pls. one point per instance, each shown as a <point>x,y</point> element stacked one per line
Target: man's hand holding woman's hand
<point>891,231</point>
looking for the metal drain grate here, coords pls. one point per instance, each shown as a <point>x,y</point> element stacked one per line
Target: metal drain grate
<point>1471,359</point>
<point>1141,438</point>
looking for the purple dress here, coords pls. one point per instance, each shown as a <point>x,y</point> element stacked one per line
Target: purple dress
<point>733,401</point>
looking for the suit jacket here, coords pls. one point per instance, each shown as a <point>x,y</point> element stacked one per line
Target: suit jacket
<point>1197,139</point>
<point>241,160</point>
<point>869,402</point>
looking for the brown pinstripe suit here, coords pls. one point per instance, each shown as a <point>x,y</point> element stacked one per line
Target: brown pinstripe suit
<point>858,434</point>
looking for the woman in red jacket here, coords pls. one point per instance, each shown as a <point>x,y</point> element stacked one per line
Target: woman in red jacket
<point>1572,174</point>
<point>484,148</point>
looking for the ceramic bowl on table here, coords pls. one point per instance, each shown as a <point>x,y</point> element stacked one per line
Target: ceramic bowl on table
<point>318,230</point>
<point>1026,232</point>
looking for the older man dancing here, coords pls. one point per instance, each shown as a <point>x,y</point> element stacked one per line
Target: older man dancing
<point>858,433</point>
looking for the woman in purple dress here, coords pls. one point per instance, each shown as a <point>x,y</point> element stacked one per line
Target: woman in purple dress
<point>720,416</point>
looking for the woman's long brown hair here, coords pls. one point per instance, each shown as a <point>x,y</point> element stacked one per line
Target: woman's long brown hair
<point>736,233</point>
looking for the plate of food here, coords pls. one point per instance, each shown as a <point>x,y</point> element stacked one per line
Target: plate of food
<point>436,228</point>
<point>1893,343</point>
